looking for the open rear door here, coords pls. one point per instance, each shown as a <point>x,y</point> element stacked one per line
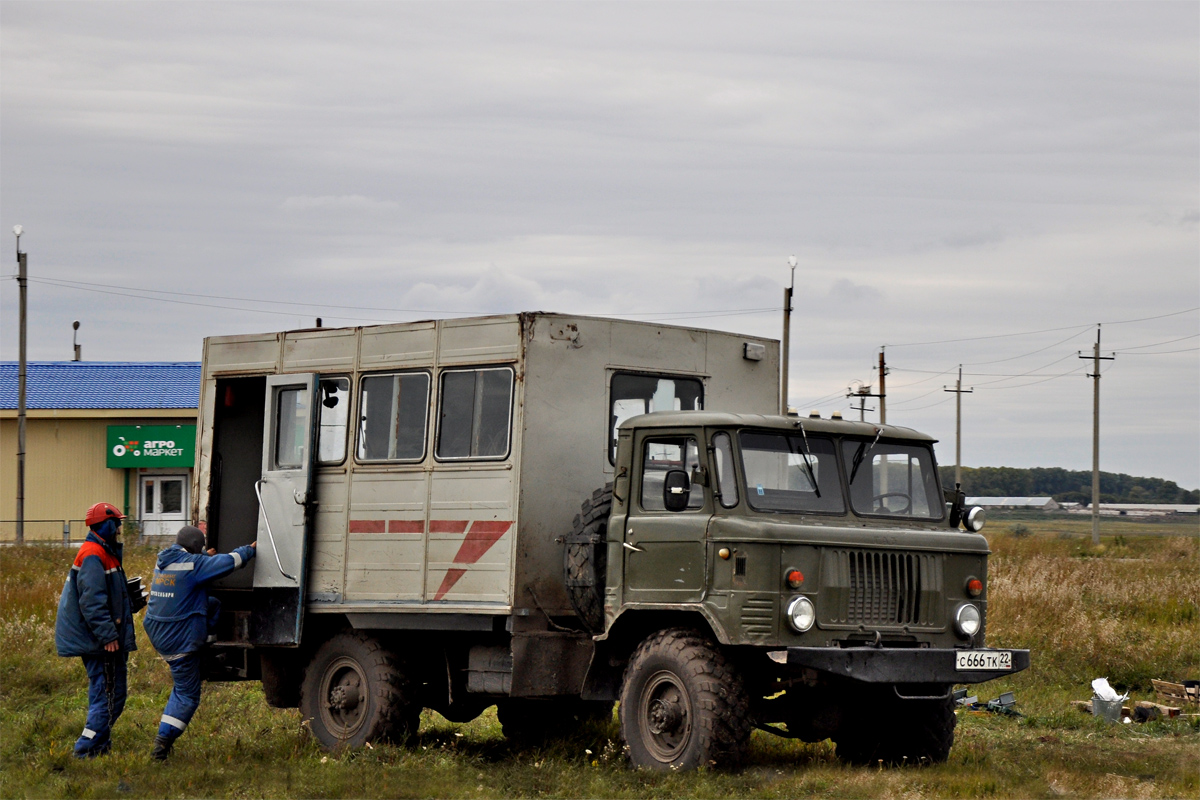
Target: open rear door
<point>285,500</point>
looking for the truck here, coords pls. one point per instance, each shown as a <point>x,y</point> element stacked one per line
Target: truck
<point>549,514</point>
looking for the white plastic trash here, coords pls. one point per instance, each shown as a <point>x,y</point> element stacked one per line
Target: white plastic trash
<point>1106,703</point>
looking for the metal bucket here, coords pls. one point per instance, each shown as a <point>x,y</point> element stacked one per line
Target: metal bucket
<point>1107,709</point>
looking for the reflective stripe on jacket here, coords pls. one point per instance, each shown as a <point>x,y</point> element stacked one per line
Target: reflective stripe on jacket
<point>94,607</point>
<point>177,613</point>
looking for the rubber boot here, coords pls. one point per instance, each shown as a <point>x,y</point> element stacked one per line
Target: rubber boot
<point>162,748</point>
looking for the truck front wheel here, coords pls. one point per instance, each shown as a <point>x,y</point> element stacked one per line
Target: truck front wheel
<point>683,705</point>
<point>354,692</point>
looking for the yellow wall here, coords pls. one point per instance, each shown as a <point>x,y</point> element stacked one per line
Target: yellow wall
<point>65,471</point>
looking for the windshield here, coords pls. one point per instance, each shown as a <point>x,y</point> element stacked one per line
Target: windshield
<point>892,479</point>
<point>791,472</point>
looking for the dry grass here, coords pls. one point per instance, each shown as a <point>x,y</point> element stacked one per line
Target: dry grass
<point>1126,610</point>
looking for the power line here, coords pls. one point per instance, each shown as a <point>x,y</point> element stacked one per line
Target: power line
<point>1045,330</point>
<point>1157,344</point>
<point>144,293</point>
<point>1162,353</point>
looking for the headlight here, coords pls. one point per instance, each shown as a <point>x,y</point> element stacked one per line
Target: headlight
<point>967,619</point>
<point>973,520</point>
<point>800,614</point>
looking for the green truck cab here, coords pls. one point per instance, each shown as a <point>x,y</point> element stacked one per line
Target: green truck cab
<point>745,571</point>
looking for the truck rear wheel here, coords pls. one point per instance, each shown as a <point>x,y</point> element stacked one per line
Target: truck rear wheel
<point>683,705</point>
<point>533,721</point>
<point>897,731</point>
<point>586,556</point>
<point>354,692</point>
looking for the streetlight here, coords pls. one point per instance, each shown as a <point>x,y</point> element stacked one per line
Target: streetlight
<point>787,339</point>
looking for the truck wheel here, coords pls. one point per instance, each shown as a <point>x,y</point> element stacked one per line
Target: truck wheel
<point>354,693</point>
<point>683,705</point>
<point>586,556</point>
<point>533,721</point>
<point>898,731</point>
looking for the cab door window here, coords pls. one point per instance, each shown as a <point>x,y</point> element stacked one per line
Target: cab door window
<point>660,456</point>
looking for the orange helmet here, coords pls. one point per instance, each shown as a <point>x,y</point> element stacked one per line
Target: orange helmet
<point>100,512</point>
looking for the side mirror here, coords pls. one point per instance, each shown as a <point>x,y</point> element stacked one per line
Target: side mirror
<point>677,489</point>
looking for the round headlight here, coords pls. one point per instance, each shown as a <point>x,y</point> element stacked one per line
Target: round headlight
<point>973,520</point>
<point>967,619</point>
<point>800,614</point>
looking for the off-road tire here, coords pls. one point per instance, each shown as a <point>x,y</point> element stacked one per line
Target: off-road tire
<point>895,731</point>
<point>536,721</point>
<point>683,705</point>
<point>354,692</point>
<point>585,558</point>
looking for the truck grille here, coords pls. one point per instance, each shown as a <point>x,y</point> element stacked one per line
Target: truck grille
<point>881,589</point>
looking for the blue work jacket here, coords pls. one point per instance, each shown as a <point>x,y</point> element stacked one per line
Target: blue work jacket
<point>94,608</point>
<point>177,613</point>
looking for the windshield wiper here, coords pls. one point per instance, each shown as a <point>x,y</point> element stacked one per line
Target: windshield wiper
<point>807,466</point>
<point>860,454</point>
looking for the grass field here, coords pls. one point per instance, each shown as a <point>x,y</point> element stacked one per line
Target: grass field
<point>1128,610</point>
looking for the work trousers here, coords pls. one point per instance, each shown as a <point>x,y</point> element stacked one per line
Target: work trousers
<point>185,696</point>
<point>107,687</point>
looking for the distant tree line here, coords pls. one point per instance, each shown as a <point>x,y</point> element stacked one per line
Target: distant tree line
<point>1064,485</point>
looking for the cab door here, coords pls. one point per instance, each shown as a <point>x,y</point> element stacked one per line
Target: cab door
<point>665,550</point>
<point>285,495</point>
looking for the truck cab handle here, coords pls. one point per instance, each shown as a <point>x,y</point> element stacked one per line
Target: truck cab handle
<point>271,536</point>
<point>632,547</point>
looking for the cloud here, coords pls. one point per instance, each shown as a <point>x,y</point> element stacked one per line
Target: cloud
<point>346,203</point>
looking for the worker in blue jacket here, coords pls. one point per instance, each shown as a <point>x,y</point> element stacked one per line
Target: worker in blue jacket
<point>181,618</point>
<point>95,622</point>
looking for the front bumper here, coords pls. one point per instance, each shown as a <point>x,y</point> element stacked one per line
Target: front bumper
<point>897,665</point>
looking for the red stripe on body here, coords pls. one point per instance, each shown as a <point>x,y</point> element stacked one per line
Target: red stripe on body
<point>406,526</point>
<point>452,576</point>
<point>483,534</point>
<point>447,525</point>
<point>366,526</point>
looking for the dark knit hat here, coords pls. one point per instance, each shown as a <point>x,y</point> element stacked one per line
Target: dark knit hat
<point>190,538</point>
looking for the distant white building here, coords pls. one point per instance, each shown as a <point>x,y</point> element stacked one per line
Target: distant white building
<point>1139,509</point>
<point>1036,503</point>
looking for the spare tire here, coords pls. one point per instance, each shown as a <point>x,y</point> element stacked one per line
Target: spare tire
<point>586,556</point>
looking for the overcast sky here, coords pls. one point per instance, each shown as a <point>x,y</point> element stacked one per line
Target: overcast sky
<point>942,171</point>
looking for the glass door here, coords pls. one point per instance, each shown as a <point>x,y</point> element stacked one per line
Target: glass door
<point>163,504</point>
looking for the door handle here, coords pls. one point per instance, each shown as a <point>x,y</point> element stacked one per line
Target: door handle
<point>271,536</point>
<point>632,547</point>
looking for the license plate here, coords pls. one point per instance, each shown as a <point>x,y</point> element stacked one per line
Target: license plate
<point>983,659</point>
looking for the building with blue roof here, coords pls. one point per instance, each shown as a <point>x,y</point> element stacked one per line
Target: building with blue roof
<point>114,431</point>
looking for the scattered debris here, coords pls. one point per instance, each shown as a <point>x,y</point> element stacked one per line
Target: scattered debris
<point>1141,711</point>
<point>1004,704</point>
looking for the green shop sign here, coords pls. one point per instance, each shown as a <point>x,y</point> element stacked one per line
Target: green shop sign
<point>151,446</point>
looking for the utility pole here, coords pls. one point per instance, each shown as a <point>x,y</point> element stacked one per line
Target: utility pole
<point>882,389</point>
<point>787,339</point>
<point>1095,376</point>
<point>22,284</point>
<point>958,392</point>
<point>861,408</point>
<point>862,393</point>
